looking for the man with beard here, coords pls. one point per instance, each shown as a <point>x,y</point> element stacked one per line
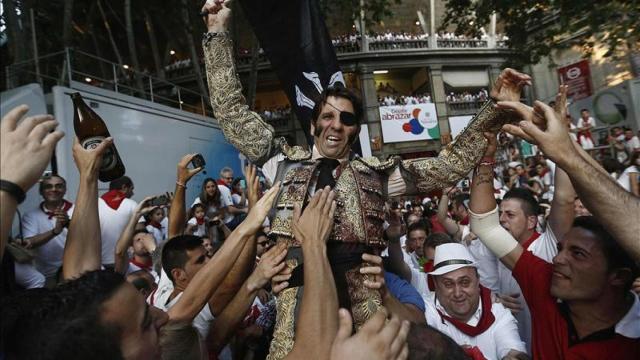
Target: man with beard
<point>362,185</point>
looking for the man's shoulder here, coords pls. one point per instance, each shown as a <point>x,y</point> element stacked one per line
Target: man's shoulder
<point>376,164</point>
<point>294,153</point>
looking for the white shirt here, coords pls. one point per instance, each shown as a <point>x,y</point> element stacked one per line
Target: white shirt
<point>500,338</point>
<point>632,144</point>
<point>624,179</point>
<point>159,234</point>
<point>200,230</point>
<point>487,264</point>
<point>27,276</point>
<point>201,322</point>
<point>419,282</point>
<point>48,257</point>
<point>227,200</point>
<point>112,223</point>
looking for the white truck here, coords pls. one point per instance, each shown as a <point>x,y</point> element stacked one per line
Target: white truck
<point>151,138</point>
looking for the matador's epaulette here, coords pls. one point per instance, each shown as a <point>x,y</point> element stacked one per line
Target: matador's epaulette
<point>295,153</point>
<point>375,164</point>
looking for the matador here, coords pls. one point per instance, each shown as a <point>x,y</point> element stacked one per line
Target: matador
<point>361,185</point>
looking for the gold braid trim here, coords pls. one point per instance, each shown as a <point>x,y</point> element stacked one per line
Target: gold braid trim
<point>458,158</point>
<point>243,128</point>
<point>285,326</point>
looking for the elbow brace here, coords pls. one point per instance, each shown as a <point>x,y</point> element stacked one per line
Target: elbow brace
<point>487,227</point>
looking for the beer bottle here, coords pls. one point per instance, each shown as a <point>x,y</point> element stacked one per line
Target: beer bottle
<point>91,131</point>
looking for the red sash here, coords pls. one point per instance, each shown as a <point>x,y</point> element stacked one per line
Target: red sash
<point>486,320</point>
<point>145,266</point>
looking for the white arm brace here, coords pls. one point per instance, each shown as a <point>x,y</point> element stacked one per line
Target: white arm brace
<point>491,233</point>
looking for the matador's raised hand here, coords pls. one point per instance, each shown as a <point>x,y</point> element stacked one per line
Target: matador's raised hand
<point>508,86</point>
<point>218,15</point>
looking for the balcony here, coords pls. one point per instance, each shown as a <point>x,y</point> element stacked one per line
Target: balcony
<point>456,108</point>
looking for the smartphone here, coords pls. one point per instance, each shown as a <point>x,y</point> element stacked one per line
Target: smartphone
<point>198,161</point>
<point>243,184</point>
<point>161,200</point>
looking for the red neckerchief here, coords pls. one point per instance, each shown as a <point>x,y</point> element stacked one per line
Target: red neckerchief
<point>65,207</point>
<point>465,221</point>
<point>221,182</point>
<point>474,352</point>
<point>199,221</point>
<point>486,319</point>
<point>145,266</point>
<point>530,240</point>
<point>427,268</point>
<point>113,198</point>
<point>156,225</point>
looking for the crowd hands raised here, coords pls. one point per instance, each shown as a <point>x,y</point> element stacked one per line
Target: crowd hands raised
<point>204,284</point>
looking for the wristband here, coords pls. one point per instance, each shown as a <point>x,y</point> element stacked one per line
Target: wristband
<point>14,190</point>
<point>487,160</point>
<point>181,185</point>
<point>207,37</point>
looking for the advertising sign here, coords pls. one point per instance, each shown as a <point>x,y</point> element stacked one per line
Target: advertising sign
<point>409,123</point>
<point>578,77</point>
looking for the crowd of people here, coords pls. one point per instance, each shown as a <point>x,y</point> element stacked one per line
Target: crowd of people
<point>466,96</point>
<point>278,112</point>
<point>390,100</point>
<point>479,269</point>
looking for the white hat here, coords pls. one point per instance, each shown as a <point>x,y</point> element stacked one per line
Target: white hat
<point>426,200</point>
<point>450,257</point>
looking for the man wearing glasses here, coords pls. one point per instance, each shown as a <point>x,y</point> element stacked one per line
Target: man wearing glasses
<point>361,185</point>
<point>45,227</point>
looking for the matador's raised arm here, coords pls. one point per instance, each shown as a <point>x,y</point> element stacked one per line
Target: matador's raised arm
<point>243,128</point>
<point>458,158</point>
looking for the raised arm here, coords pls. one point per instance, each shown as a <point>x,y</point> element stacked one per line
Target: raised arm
<point>33,139</point>
<point>203,284</point>
<point>483,212</point>
<point>395,230</point>
<point>317,322</point>
<point>126,237</point>
<point>242,264</point>
<point>243,128</point>
<point>610,203</point>
<point>83,249</point>
<point>177,213</point>
<point>227,323</point>
<point>449,224</point>
<point>457,159</point>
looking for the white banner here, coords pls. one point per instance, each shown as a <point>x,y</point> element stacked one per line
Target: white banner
<point>409,122</point>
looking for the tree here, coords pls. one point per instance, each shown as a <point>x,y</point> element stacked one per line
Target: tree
<point>375,10</point>
<point>131,41</point>
<point>67,23</point>
<point>535,28</point>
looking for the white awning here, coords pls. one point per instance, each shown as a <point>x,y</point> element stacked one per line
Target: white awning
<point>466,78</point>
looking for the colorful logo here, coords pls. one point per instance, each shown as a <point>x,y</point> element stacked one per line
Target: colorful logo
<point>417,127</point>
<point>414,126</point>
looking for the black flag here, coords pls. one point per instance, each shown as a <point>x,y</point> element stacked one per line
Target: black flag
<point>294,37</point>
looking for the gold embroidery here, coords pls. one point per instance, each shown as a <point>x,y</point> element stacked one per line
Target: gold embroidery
<point>350,228</point>
<point>295,153</point>
<point>365,302</point>
<point>458,158</point>
<point>284,331</point>
<point>243,128</point>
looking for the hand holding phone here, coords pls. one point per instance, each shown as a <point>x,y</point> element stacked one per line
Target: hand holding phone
<point>161,200</point>
<point>198,162</point>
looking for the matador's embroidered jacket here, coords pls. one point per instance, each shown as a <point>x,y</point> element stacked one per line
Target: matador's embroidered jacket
<point>362,186</point>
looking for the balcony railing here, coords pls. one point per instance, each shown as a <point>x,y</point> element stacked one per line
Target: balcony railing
<point>64,68</point>
<point>462,44</point>
<point>464,107</point>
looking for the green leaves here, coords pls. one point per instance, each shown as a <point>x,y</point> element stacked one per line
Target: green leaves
<point>535,28</point>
